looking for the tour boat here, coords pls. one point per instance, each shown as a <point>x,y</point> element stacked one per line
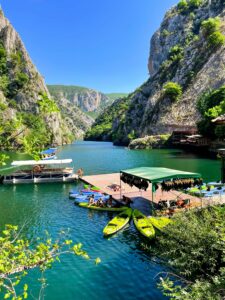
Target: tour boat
<point>41,171</point>
<point>48,154</point>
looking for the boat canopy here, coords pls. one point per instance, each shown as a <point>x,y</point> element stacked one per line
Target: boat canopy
<point>49,151</point>
<point>41,162</point>
<point>155,175</point>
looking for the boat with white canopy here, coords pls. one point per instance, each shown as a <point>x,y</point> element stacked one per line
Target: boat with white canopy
<point>41,171</point>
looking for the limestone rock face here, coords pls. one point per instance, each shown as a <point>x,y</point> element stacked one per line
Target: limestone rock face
<point>25,98</point>
<point>88,100</point>
<point>198,69</point>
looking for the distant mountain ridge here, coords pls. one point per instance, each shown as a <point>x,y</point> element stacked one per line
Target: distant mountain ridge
<point>88,100</point>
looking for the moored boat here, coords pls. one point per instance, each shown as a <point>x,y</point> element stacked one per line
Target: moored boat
<point>117,223</point>
<point>48,154</point>
<point>41,171</point>
<point>143,224</point>
<point>160,223</point>
<point>94,207</point>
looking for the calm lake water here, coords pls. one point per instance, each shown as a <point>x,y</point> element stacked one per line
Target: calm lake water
<point>126,270</point>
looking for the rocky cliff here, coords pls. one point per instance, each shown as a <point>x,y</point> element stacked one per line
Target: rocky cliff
<point>24,98</point>
<point>187,58</point>
<point>87,100</point>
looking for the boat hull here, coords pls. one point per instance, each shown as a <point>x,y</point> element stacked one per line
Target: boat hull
<point>113,209</point>
<point>118,223</point>
<point>143,224</point>
<point>47,178</point>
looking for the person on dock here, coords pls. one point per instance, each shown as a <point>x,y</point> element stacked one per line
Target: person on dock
<point>80,173</point>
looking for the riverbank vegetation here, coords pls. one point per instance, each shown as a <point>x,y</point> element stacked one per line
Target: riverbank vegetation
<point>19,255</point>
<point>149,142</point>
<point>211,105</point>
<point>193,248</point>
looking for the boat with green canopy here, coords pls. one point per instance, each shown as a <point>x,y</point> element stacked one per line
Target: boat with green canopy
<point>117,223</point>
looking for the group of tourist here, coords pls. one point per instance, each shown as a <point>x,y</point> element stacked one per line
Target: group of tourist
<point>100,202</point>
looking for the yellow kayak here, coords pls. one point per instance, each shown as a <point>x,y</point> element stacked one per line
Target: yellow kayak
<point>118,222</point>
<point>143,225</point>
<point>113,209</point>
<point>160,222</point>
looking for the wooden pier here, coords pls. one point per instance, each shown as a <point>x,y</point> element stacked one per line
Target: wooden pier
<point>110,184</point>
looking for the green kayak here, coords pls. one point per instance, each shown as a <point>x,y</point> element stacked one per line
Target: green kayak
<point>86,205</point>
<point>118,222</point>
<point>143,224</point>
<point>160,222</point>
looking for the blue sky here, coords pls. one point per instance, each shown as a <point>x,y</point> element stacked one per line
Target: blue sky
<point>101,44</point>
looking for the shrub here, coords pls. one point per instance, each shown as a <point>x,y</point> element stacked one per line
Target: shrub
<point>172,90</point>
<point>182,5</point>
<point>176,53</point>
<point>211,104</point>
<point>131,136</point>
<point>210,25</point>
<point>165,33</point>
<point>3,106</point>
<point>4,83</point>
<point>16,59</point>
<point>21,79</point>
<point>3,53</point>
<point>12,103</point>
<point>193,247</point>
<point>194,3</point>
<point>216,39</point>
<point>47,105</point>
<point>210,99</point>
<point>3,59</point>
<point>211,30</point>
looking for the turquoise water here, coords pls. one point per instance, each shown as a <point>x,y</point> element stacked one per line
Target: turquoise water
<point>126,270</point>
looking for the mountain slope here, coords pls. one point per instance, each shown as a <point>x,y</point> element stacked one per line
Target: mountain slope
<point>88,100</point>
<point>182,53</point>
<point>28,117</point>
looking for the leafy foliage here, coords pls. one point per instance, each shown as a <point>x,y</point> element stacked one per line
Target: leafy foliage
<point>149,142</point>
<point>185,6</point>
<point>210,25</point>
<point>182,5</point>
<point>211,30</point>
<point>211,105</point>
<point>194,3</point>
<point>18,255</point>
<point>216,39</point>
<point>3,159</point>
<point>172,90</point>
<point>176,53</point>
<point>47,105</point>
<point>194,248</point>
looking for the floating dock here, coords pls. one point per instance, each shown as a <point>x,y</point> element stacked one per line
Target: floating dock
<point>106,182</point>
